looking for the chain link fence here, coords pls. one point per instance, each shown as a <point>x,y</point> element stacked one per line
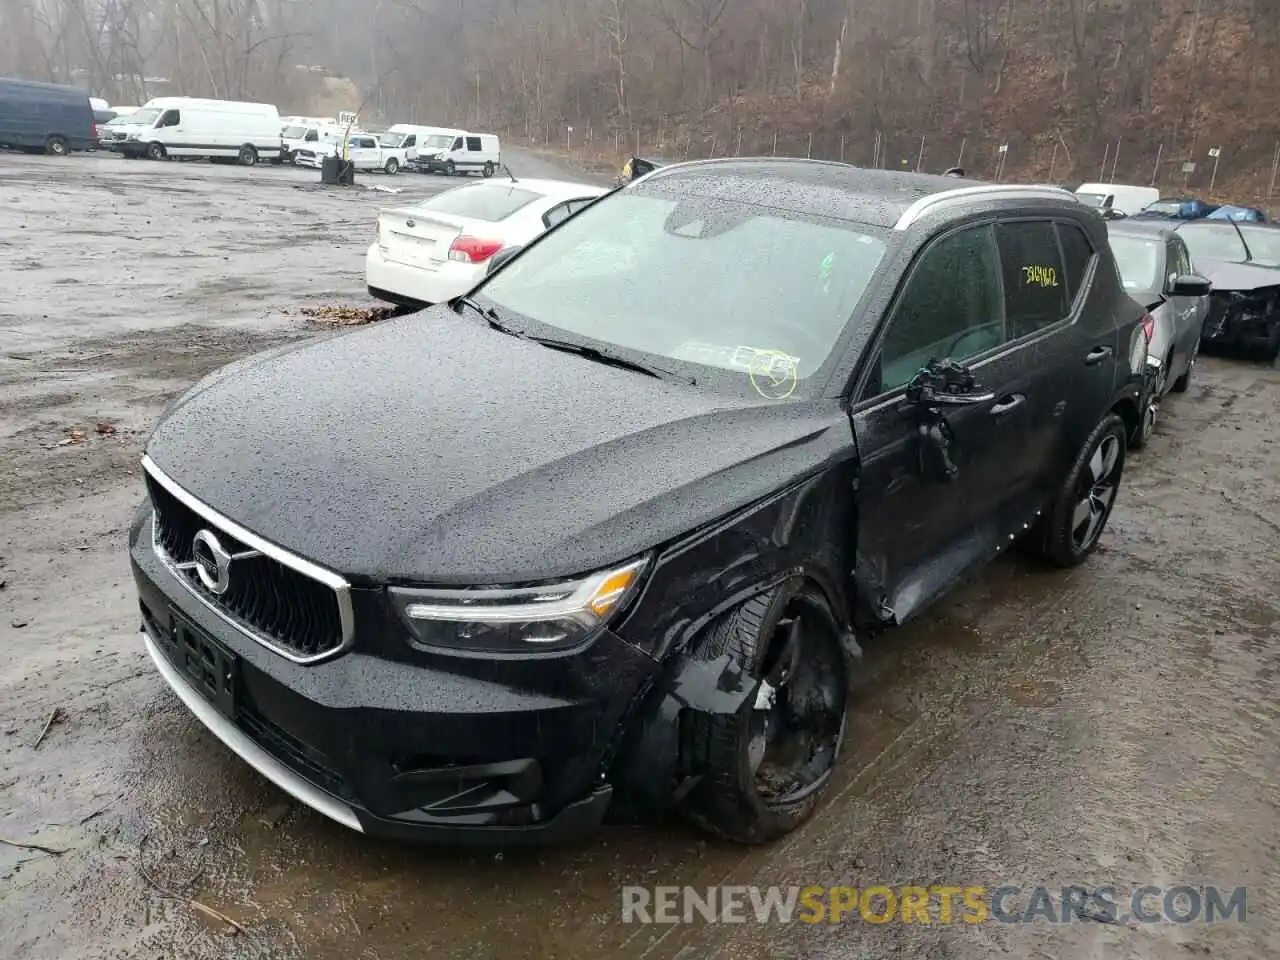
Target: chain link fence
<point>1238,173</point>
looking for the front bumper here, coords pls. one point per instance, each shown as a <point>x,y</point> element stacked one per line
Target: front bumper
<point>395,743</point>
<point>407,284</point>
<point>1235,320</point>
<point>430,164</point>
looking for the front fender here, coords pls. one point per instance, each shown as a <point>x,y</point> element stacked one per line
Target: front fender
<point>804,532</point>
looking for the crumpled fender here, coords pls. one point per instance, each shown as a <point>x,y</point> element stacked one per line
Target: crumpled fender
<point>648,767</point>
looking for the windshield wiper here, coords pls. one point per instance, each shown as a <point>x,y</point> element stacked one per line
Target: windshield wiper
<point>613,360</point>
<point>491,317</point>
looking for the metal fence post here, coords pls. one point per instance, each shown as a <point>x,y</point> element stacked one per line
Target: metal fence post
<point>1155,172</point>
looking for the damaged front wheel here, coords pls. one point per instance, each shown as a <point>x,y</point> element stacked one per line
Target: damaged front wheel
<point>761,770</point>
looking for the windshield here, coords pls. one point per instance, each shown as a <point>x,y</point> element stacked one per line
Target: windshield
<point>1092,199</point>
<point>1139,261</point>
<point>441,141</point>
<point>145,116</point>
<point>1264,244</point>
<point>1208,240</point>
<point>294,133</point>
<point>481,202</point>
<point>754,295</point>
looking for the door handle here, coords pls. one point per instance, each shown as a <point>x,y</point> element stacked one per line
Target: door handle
<point>1007,403</point>
<point>1097,355</point>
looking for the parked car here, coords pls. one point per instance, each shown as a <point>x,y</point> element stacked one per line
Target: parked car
<point>610,526</point>
<point>456,152</point>
<point>1244,310</point>
<point>181,127</point>
<point>1121,198</point>
<point>45,117</point>
<point>440,248</point>
<point>364,150</point>
<point>1156,269</point>
<point>1239,214</point>
<point>1181,208</point>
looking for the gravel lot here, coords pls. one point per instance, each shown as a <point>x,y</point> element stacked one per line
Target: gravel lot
<point>1115,725</point>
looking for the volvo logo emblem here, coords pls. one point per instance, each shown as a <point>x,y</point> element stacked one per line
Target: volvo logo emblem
<point>213,563</point>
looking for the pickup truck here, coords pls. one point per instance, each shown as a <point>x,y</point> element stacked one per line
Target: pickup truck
<point>363,149</point>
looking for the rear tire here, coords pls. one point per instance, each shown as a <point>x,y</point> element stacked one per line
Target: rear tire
<point>488,170</point>
<point>1078,515</point>
<point>156,151</point>
<point>762,770</point>
<point>56,146</point>
<point>392,167</point>
<point>248,155</point>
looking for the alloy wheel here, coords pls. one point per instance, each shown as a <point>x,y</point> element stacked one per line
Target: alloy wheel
<point>798,722</point>
<point>1096,493</point>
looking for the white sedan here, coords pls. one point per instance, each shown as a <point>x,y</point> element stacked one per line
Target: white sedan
<point>440,248</point>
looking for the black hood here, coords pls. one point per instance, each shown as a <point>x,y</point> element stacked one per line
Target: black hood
<point>433,449</point>
<point>1243,277</point>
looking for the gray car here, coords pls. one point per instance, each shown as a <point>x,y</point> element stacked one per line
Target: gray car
<point>1156,269</point>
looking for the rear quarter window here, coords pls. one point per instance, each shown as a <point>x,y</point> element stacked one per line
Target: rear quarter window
<point>489,203</point>
<point>1077,256</point>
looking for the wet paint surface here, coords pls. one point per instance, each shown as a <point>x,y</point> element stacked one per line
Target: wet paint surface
<point>1117,723</point>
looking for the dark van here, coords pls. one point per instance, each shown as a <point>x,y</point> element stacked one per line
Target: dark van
<point>45,116</point>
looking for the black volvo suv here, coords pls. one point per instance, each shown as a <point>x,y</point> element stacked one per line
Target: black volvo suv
<point>603,535</point>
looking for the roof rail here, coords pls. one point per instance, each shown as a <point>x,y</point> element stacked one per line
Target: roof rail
<point>995,190</point>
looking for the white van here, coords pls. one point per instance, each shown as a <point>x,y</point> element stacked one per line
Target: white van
<point>310,138</point>
<point>191,127</point>
<point>1120,197</point>
<point>453,152</point>
<point>412,136</point>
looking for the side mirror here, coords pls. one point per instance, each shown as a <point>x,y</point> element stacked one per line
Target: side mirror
<point>501,257</point>
<point>1190,285</point>
<point>943,384</point>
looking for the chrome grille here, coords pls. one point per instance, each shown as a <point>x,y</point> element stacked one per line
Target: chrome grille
<point>300,611</point>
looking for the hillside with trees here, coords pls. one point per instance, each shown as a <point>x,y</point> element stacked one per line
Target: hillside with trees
<point>1074,89</point>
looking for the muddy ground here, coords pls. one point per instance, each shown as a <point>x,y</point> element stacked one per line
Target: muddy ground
<point>1113,725</point>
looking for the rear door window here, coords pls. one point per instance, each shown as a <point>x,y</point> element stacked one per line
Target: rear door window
<point>1035,284</point>
<point>489,203</point>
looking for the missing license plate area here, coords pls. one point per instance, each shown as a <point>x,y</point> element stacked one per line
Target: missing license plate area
<point>210,666</point>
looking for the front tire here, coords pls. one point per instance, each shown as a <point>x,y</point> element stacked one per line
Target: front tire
<point>156,151</point>
<point>450,169</point>
<point>1079,513</point>
<point>762,770</point>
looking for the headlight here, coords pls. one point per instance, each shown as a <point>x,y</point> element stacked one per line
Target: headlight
<point>546,617</point>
